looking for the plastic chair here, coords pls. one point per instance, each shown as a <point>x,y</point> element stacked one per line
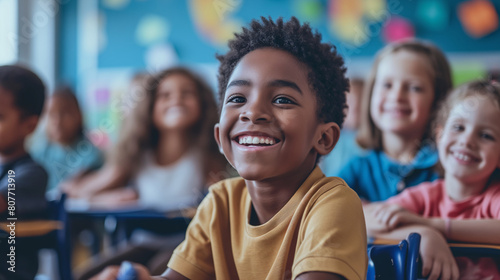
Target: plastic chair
<point>395,261</point>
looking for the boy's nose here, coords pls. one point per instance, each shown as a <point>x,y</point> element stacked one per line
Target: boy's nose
<point>255,112</point>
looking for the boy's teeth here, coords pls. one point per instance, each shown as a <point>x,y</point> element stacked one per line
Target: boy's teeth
<point>256,140</point>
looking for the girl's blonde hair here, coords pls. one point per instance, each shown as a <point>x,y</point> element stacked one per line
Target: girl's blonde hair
<point>138,132</point>
<point>369,135</point>
<point>490,89</point>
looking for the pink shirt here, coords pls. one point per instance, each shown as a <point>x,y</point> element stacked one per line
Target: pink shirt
<point>429,199</point>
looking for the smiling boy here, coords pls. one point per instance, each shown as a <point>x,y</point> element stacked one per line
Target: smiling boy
<point>282,97</point>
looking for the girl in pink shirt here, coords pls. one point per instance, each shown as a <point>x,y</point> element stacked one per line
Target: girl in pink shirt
<point>465,205</point>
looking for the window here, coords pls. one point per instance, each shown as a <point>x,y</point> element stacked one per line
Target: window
<point>8,32</point>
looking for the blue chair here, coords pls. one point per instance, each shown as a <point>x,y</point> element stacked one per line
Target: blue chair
<point>399,261</point>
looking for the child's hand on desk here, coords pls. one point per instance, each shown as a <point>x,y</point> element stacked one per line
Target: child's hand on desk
<point>112,272</point>
<point>115,198</point>
<point>372,224</point>
<point>437,260</point>
<point>386,217</point>
<point>77,187</point>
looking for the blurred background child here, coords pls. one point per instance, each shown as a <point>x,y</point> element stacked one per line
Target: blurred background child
<point>407,82</point>
<point>468,199</point>
<point>347,147</point>
<point>22,181</point>
<point>165,157</point>
<point>64,151</point>
<point>165,149</point>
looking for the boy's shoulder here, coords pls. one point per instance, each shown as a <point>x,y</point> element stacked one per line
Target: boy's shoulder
<point>228,186</point>
<point>333,186</point>
<point>317,183</point>
<point>25,165</point>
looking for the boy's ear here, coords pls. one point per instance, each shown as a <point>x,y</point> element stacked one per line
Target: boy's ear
<point>329,135</point>
<point>28,124</point>
<point>217,137</point>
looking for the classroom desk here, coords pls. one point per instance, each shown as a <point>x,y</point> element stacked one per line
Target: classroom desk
<point>32,228</point>
<point>457,248</point>
<point>120,222</point>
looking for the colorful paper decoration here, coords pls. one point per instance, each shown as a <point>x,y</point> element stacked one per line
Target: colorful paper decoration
<point>115,4</point>
<point>152,29</point>
<point>398,29</point>
<point>352,21</point>
<point>465,72</point>
<point>478,17</point>
<point>432,14</point>
<point>101,96</point>
<point>374,9</point>
<point>99,138</point>
<point>105,108</point>
<point>346,21</point>
<point>213,19</point>
<point>309,10</point>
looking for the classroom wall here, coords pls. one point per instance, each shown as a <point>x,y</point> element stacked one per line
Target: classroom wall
<point>103,42</point>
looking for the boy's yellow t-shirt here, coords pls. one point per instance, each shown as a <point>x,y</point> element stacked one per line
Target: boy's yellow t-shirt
<point>321,228</point>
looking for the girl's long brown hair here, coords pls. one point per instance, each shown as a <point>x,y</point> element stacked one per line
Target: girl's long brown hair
<point>139,134</point>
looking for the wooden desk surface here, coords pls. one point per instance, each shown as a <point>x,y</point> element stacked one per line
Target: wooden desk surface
<point>32,228</point>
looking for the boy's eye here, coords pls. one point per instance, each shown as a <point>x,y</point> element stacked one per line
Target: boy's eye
<point>283,100</point>
<point>236,99</point>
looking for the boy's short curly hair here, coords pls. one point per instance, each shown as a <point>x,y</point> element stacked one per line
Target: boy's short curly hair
<point>326,66</point>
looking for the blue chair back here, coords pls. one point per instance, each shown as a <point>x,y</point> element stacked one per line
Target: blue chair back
<point>395,261</point>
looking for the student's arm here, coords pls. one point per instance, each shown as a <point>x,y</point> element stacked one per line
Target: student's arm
<point>333,239</point>
<point>465,230</point>
<point>384,216</point>
<point>106,178</point>
<point>480,231</point>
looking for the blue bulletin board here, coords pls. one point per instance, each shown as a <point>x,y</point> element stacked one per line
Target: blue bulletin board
<point>133,35</point>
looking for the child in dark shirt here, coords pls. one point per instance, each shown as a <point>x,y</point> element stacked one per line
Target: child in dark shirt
<point>22,181</point>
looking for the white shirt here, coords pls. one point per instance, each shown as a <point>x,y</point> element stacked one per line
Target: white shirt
<point>171,187</point>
